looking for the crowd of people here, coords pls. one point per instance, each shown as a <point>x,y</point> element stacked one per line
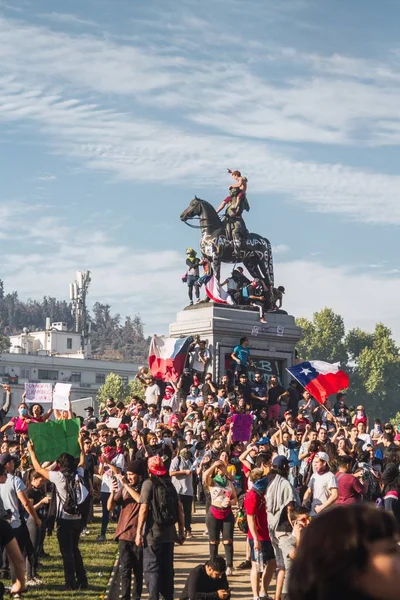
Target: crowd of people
<point>268,462</point>
<point>242,291</point>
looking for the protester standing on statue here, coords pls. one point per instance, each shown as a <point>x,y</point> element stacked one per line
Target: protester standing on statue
<point>192,274</point>
<point>241,356</point>
<point>236,203</point>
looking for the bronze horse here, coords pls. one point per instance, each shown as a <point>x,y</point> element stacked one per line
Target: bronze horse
<point>255,254</point>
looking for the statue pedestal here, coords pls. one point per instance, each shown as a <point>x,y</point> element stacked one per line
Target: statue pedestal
<point>271,346</point>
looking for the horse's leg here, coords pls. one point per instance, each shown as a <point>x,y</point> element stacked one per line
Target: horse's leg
<point>216,267</point>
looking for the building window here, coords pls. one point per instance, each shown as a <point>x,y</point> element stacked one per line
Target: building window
<point>76,377</point>
<point>49,375</point>
<point>124,379</point>
<point>100,378</point>
<point>25,373</point>
<point>69,344</point>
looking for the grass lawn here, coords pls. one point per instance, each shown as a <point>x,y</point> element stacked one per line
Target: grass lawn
<point>98,559</point>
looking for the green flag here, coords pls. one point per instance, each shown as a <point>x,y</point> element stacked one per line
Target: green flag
<point>52,438</point>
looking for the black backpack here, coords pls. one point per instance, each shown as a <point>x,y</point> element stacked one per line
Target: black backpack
<point>164,505</point>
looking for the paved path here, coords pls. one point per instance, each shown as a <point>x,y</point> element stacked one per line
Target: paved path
<point>196,551</point>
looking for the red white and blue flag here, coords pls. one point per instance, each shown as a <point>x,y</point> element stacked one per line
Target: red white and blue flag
<point>167,357</point>
<point>320,378</point>
<point>216,292</point>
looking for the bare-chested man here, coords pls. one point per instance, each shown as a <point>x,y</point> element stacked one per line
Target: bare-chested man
<point>235,203</point>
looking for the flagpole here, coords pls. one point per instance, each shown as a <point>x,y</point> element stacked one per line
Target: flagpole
<point>321,404</point>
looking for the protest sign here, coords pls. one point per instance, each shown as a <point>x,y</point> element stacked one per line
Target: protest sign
<point>114,422</point>
<point>38,392</point>
<point>61,396</point>
<point>241,430</point>
<point>52,438</point>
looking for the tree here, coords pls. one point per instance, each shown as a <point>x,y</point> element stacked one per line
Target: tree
<point>136,389</point>
<point>113,386</point>
<point>378,369</point>
<point>4,341</point>
<point>323,337</point>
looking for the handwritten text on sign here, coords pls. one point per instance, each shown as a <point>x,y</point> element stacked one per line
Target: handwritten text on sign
<point>39,392</point>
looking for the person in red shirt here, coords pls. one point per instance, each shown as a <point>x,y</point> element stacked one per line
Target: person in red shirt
<point>350,487</point>
<point>258,534</point>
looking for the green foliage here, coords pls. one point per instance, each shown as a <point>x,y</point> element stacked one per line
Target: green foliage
<point>371,359</point>
<point>110,339</point>
<point>395,420</point>
<point>136,389</point>
<point>114,386</point>
<point>323,337</point>
<point>4,341</point>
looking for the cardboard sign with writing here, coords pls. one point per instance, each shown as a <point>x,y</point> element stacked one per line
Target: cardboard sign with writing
<point>38,392</point>
<point>61,396</point>
<point>114,422</point>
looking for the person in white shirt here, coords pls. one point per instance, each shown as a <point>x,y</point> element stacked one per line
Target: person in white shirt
<point>199,358</point>
<point>362,433</point>
<point>110,465</point>
<point>322,486</point>
<point>152,419</point>
<point>152,393</point>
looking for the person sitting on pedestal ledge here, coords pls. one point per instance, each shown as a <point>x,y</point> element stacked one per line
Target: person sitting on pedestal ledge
<point>254,295</point>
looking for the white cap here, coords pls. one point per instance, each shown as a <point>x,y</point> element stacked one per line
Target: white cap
<point>323,456</point>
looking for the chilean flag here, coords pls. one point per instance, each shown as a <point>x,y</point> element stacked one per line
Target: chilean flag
<point>167,357</point>
<point>216,292</point>
<point>320,378</point>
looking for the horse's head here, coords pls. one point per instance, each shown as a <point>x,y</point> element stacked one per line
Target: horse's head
<point>193,210</point>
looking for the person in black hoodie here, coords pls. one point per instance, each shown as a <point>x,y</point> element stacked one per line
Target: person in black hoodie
<point>207,582</point>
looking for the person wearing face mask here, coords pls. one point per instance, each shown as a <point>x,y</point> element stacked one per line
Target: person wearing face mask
<point>181,472</point>
<point>220,517</point>
<point>258,534</point>
<point>20,423</point>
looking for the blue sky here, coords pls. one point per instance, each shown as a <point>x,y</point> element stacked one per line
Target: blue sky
<point>114,114</point>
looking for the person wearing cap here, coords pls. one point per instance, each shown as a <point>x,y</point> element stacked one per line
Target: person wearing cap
<point>322,487</point>
<point>157,539</point>
<point>192,275</point>
<point>130,556</point>
<point>90,417</point>
<point>278,296</point>
<point>281,500</point>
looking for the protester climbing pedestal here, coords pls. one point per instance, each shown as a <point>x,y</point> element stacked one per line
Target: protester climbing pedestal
<point>272,346</point>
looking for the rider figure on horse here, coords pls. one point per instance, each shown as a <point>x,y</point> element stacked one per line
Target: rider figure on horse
<point>235,204</point>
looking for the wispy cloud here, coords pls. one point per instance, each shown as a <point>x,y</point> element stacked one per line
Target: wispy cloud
<point>66,18</point>
<point>51,78</point>
<point>46,177</point>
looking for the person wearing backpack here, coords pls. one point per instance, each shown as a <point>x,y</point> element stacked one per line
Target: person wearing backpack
<point>69,493</point>
<point>160,510</point>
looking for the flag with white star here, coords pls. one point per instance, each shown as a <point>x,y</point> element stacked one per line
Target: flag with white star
<point>320,378</point>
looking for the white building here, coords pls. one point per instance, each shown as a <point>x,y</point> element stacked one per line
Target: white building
<point>55,340</point>
<point>55,355</point>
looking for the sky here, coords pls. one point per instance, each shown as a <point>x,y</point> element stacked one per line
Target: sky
<point>114,114</point>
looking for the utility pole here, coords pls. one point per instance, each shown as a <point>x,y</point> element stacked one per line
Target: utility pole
<point>78,291</point>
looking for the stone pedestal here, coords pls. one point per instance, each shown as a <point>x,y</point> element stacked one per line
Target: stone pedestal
<point>271,346</point>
